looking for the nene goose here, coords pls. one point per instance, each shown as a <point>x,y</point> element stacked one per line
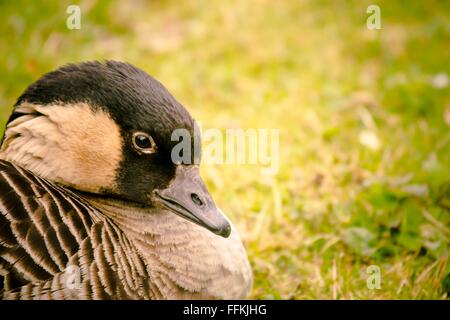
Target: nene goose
<point>87,185</point>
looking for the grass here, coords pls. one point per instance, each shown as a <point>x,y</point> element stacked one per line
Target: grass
<point>364,119</point>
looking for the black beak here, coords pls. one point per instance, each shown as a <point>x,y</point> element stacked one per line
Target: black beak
<point>187,196</point>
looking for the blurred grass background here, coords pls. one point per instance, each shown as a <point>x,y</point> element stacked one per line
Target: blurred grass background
<point>364,116</point>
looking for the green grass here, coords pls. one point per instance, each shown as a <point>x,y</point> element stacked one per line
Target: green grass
<point>340,202</point>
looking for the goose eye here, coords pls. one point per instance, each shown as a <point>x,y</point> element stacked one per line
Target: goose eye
<point>144,143</point>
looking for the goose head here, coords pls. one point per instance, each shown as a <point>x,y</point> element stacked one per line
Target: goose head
<point>105,129</point>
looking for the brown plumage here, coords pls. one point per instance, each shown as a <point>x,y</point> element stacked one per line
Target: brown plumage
<point>83,215</point>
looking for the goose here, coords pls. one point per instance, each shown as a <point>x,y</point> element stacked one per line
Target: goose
<point>92,205</point>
